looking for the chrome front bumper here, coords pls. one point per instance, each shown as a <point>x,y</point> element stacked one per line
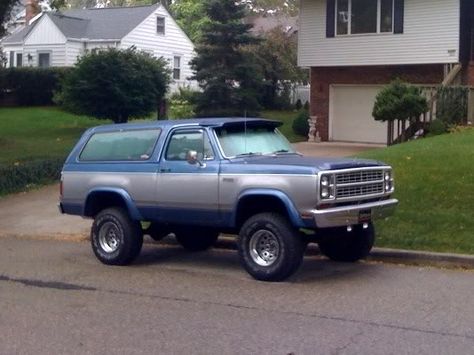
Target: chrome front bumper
<point>354,214</point>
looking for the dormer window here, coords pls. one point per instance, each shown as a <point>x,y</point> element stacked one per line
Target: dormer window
<point>160,25</point>
<point>364,16</point>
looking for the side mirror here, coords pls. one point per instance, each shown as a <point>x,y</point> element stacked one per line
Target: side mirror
<point>192,157</point>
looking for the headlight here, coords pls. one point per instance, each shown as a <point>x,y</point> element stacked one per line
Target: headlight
<point>326,187</point>
<point>388,181</point>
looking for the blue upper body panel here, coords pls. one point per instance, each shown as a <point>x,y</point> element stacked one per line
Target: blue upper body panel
<point>259,164</point>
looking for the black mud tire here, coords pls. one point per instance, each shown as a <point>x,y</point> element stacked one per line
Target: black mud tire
<point>196,238</point>
<point>272,234</point>
<point>344,246</point>
<point>156,232</point>
<point>115,238</point>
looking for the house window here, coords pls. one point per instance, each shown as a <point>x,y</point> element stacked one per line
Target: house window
<point>12,59</point>
<point>364,16</point>
<point>44,60</point>
<point>176,68</point>
<point>19,59</point>
<point>160,25</point>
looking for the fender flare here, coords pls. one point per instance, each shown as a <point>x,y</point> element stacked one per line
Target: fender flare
<point>290,207</point>
<point>123,194</point>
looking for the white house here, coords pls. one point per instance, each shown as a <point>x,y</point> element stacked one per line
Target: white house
<point>58,39</point>
<point>355,47</point>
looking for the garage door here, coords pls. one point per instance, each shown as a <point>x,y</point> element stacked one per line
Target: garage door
<point>351,115</point>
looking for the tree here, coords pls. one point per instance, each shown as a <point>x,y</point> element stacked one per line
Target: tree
<point>227,74</point>
<point>191,17</point>
<point>6,7</point>
<point>289,7</point>
<point>115,84</point>
<point>277,56</point>
<point>399,101</point>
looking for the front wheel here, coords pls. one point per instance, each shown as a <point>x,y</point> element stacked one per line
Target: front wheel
<point>270,249</point>
<point>341,245</point>
<point>115,238</point>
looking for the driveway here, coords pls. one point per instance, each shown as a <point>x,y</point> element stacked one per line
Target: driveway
<point>35,213</point>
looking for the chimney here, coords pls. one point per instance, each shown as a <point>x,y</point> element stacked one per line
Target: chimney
<point>32,9</point>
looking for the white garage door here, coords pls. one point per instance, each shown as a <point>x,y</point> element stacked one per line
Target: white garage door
<point>351,115</point>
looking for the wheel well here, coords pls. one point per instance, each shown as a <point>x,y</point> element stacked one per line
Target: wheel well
<point>251,205</point>
<point>99,201</point>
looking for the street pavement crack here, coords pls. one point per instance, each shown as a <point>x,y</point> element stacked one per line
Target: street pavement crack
<point>48,284</point>
<point>63,286</point>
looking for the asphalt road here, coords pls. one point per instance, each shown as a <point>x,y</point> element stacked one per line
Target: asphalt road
<point>55,298</point>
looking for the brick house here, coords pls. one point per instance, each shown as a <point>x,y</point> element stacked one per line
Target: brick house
<point>354,47</point>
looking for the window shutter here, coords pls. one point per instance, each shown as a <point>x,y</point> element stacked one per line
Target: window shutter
<point>330,18</point>
<point>398,16</point>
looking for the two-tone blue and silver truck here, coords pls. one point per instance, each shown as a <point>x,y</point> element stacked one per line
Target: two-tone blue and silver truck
<point>198,178</point>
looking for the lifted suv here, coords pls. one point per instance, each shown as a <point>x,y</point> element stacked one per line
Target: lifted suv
<point>197,178</point>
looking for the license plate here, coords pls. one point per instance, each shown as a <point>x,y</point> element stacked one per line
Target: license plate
<point>365,216</point>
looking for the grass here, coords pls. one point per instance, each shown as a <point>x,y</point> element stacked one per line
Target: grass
<point>287,118</point>
<point>47,132</point>
<point>434,181</point>
<point>36,133</point>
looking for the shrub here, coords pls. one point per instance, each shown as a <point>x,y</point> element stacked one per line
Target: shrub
<point>300,124</point>
<point>30,86</point>
<point>18,176</point>
<point>180,109</point>
<point>185,94</point>
<point>115,84</point>
<point>452,105</point>
<point>399,101</point>
<point>306,105</point>
<point>437,127</point>
<point>298,105</point>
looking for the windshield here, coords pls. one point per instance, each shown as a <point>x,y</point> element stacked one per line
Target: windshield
<point>238,141</point>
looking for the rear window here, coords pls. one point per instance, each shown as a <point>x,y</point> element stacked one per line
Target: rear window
<point>134,145</point>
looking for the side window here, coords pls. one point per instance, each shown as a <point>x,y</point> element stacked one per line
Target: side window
<point>133,145</point>
<point>183,141</point>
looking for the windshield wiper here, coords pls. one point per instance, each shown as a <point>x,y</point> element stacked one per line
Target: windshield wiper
<point>248,154</point>
<point>283,151</point>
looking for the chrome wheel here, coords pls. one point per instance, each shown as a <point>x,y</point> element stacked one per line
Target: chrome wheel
<point>109,237</point>
<point>264,247</point>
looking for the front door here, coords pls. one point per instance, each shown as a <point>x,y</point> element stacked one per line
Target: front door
<point>187,191</point>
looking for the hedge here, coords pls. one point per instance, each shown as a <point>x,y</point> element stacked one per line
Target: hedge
<point>29,86</point>
<point>18,176</point>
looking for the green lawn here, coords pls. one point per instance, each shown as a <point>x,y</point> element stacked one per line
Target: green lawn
<point>287,118</point>
<point>47,132</point>
<point>434,180</point>
<point>39,132</point>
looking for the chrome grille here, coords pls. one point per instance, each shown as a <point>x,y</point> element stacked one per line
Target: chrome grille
<point>352,191</point>
<point>359,176</point>
<point>359,183</point>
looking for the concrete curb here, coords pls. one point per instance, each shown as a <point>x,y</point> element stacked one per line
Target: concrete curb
<point>395,256</point>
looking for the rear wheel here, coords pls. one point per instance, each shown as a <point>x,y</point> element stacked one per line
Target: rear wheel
<point>197,238</point>
<point>341,245</point>
<point>270,249</point>
<point>115,238</point>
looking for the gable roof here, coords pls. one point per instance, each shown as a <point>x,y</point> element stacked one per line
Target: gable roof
<point>110,23</point>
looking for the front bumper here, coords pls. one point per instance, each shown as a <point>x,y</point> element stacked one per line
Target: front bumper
<point>353,214</point>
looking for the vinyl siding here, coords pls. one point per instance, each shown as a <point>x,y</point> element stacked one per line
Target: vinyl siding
<point>57,56</point>
<point>73,51</point>
<point>431,35</point>
<point>173,43</point>
<point>45,32</point>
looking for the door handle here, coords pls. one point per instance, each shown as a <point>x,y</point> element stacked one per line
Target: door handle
<point>163,170</point>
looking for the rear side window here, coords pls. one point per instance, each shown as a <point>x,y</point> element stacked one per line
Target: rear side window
<point>135,145</point>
